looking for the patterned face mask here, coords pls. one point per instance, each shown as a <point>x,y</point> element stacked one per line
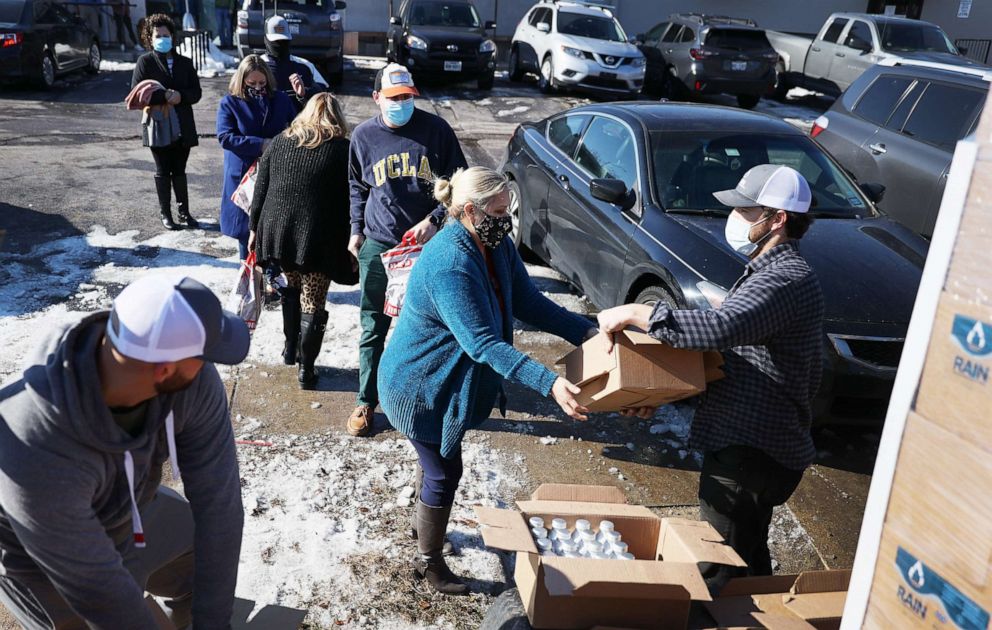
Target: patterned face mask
<point>260,92</point>
<point>492,230</point>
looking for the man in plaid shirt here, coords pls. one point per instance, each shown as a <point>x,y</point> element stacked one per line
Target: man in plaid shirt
<point>754,425</point>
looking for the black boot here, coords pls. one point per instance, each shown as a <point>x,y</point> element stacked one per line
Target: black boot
<point>447,549</point>
<point>182,201</point>
<point>429,564</point>
<point>163,186</point>
<point>311,337</point>
<point>290,324</point>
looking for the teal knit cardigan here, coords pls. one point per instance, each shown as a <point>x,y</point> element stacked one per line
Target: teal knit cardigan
<point>443,368</point>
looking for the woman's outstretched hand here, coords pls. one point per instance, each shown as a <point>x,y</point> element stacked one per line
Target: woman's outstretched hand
<point>564,394</point>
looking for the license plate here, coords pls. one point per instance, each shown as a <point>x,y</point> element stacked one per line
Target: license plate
<point>452,66</point>
<point>608,75</point>
<point>738,66</point>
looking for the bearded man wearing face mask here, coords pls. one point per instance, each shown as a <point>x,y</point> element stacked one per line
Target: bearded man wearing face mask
<point>394,158</point>
<point>294,76</point>
<point>753,426</point>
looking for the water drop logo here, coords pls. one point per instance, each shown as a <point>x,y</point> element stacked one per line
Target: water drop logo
<point>972,335</point>
<point>915,575</point>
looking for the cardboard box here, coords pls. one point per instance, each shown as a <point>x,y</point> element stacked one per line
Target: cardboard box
<point>935,559</point>
<point>652,591</point>
<point>810,600</point>
<point>955,389</point>
<point>640,372</point>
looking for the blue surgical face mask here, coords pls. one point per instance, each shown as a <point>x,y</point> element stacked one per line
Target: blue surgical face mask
<point>162,44</point>
<point>398,113</point>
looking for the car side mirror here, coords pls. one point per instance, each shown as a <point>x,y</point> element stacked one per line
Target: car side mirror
<point>489,25</point>
<point>395,21</point>
<point>544,27</point>
<point>962,51</point>
<point>339,5</point>
<point>609,190</point>
<point>874,192</point>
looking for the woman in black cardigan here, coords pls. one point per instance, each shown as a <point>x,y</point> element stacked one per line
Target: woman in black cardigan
<point>182,90</point>
<point>300,220</point>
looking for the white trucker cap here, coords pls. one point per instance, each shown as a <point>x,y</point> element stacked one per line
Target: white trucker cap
<point>159,319</point>
<point>277,29</point>
<point>394,80</point>
<point>769,185</point>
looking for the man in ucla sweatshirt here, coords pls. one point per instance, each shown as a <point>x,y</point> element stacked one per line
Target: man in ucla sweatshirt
<point>395,157</point>
<point>85,528</point>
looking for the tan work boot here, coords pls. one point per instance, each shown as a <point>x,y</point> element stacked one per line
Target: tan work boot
<point>360,422</point>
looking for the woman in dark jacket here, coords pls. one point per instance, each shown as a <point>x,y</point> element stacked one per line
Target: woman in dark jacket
<point>182,90</point>
<point>247,119</point>
<point>300,220</point>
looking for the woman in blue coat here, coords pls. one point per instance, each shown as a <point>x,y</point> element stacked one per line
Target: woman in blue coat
<point>443,370</point>
<point>247,119</point>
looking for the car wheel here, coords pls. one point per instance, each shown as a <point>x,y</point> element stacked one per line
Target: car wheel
<point>515,72</point>
<point>94,59</point>
<point>516,216</point>
<point>747,101</point>
<point>486,81</point>
<point>654,295</point>
<point>782,87</point>
<point>547,82</point>
<point>506,613</point>
<point>335,73</point>
<point>46,74</point>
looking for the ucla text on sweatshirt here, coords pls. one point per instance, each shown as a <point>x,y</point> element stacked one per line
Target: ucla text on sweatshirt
<point>392,173</point>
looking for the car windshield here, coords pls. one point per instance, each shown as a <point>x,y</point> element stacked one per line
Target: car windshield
<point>737,39</point>
<point>444,14</point>
<point>690,167</point>
<point>591,26</point>
<point>915,38</point>
<point>11,11</point>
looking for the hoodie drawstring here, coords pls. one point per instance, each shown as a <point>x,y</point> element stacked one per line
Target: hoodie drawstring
<point>170,435</point>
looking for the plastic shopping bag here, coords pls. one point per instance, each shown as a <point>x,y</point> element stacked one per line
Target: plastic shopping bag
<point>398,262</point>
<point>245,191</point>
<point>247,296</point>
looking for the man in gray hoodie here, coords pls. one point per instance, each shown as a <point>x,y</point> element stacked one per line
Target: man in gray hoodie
<point>85,528</point>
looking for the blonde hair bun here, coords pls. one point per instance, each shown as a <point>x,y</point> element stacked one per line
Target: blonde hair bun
<point>443,191</point>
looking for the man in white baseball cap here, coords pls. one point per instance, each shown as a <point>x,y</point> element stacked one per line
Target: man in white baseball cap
<point>295,76</point>
<point>85,528</point>
<point>753,426</point>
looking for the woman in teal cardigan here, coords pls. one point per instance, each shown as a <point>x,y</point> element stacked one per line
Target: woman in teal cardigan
<point>443,370</point>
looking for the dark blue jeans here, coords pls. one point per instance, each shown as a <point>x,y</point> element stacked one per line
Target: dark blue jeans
<point>441,475</point>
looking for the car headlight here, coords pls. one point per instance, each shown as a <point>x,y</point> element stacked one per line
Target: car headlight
<point>415,42</point>
<point>575,52</point>
<point>639,62</point>
<point>487,46</point>
<point>713,293</point>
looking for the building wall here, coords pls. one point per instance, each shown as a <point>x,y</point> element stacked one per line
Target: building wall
<point>978,24</point>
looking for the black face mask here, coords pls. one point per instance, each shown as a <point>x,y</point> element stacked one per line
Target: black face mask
<point>492,230</point>
<point>279,50</point>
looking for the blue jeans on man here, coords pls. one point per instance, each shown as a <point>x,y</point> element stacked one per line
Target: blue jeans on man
<point>223,19</point>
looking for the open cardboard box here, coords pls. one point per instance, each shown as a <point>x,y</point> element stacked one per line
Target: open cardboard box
<point>808,601</point>
<point>640,372</point>
<point>652,591</point>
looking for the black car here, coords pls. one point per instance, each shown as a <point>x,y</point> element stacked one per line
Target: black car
<point>693,53</point>
<point>619,199</point>
<point>443,39</point>
<point>898,125</point>
<point>41,40</point>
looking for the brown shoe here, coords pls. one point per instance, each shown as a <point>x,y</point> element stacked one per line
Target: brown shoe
<point>360,422</point>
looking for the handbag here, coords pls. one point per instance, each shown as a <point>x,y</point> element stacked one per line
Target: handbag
<point>246,297</point>
<point>245,192</point>
<point>398,262</point>
<point>159,126</point>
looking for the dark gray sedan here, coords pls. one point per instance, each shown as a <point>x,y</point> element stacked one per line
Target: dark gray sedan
<point>619,199</point>
<point>898,125</point>
<point>41,40</point>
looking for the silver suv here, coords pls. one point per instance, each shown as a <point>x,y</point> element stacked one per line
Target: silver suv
<point>316,27</point>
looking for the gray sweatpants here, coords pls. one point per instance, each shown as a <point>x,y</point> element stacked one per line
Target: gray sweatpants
<point>164,567</point>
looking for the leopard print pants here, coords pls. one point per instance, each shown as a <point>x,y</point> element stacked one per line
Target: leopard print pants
<point>313,289</point>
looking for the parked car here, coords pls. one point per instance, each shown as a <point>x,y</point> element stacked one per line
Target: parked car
<point>850,43</point>
<point>315,25</point>
<point>619,199</point>
<point>898,125</point>
<point>576,45</point>
<point>693,53</point>
<point>443,38</point>
<point>41,40</point>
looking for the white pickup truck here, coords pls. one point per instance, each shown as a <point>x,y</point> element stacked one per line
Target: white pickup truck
<point>850,43</point>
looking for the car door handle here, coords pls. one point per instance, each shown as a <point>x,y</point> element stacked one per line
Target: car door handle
<point>840,54</point>
<point>877,148</point>
<point>563,180</point>
<point>815,49</point>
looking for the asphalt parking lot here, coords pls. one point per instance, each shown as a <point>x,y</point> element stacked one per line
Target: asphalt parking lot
<point>78,206</point>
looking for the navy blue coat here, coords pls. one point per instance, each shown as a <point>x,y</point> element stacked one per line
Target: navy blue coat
<point>242,127</point>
